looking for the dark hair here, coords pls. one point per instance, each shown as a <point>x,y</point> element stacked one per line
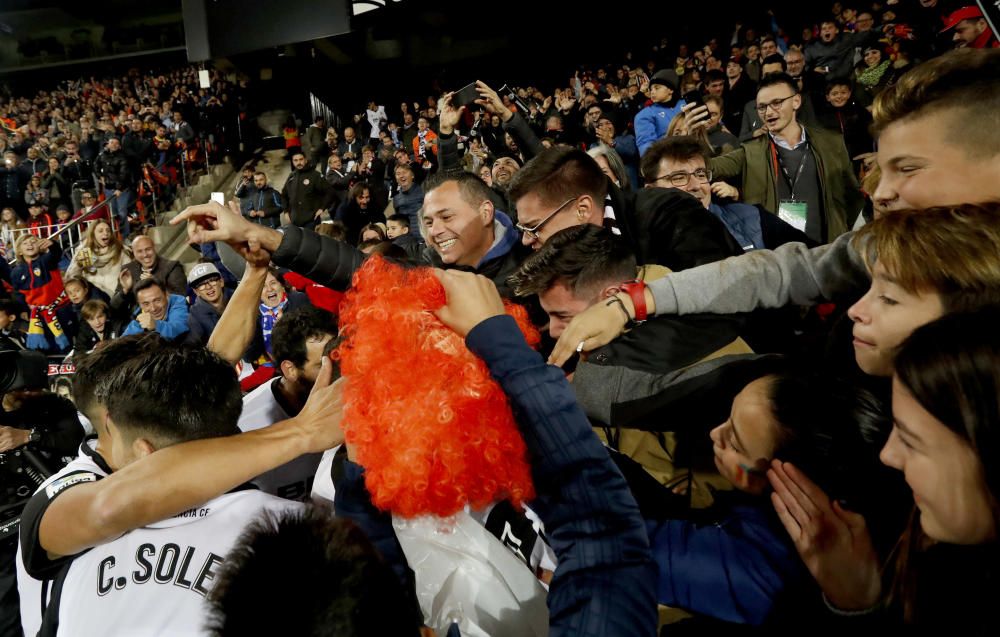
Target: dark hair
<point>357,190</point>
<point>832,430</point>
<point>335,230</point>
<point>678,148</point>
<point>407,167</point>
<point>296,327</point>
<point>773,79</point>
<point>951,366</point>
<point>372,226</point>
<point>472,189</point>
<point>195,387</point>
<point>359,594</point>
<point>967,79</point>
<point>398,218</point>
<point>835,82</point>
<point>98,365</point>
<point>559,173</point>
<point>775,58</point>
<point>145,284</point>
<point>584,258</point>
<point>714,75</point>
<point>8,306</point>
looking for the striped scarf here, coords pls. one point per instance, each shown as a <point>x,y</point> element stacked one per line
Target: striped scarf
<point>268,317</point>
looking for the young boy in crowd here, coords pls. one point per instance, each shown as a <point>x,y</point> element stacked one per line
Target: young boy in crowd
<point>37,277</point>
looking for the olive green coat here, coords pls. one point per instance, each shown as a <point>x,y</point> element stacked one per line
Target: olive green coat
<point>751,166</point>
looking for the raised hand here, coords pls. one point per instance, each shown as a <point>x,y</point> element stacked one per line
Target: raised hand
<point>471,299</point>
<point>833,542</point>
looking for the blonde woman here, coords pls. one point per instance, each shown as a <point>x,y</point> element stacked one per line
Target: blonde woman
<point>101,257</point>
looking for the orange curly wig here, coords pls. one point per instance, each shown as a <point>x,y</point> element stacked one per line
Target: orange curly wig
<point>433,430</point>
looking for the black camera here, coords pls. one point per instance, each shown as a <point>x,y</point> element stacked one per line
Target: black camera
<point>23,369</point>
<point>21,470</point>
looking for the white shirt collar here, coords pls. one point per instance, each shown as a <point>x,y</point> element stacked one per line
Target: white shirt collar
<point>783,144</point>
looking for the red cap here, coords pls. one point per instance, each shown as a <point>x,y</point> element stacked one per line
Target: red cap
<point>965,13</point>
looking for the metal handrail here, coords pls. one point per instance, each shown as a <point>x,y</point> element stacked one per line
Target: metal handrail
<point>72,223</point>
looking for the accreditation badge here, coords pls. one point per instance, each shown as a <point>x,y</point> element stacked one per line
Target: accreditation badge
<point>794,213</point>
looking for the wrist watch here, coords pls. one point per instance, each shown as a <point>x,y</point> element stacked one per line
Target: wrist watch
<point>34,435</point>
<point>637,292</point>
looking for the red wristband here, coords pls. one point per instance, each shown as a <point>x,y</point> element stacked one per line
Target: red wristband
<point>637,291</point>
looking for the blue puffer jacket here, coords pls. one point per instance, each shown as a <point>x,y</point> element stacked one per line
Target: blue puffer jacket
<point>743,222</point>
<point>409,203</point>
<point>651,123</point>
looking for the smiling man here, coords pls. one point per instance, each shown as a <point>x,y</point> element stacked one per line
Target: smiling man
<point>459,221</point>
<point>166,314</point>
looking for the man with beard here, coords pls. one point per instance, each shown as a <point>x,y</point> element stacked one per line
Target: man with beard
<point>298,343</point>
<point>206,281</point>
<point>409,199</point>
<point>971,29</point>
<point>306,195</point>
<point>264,202</point>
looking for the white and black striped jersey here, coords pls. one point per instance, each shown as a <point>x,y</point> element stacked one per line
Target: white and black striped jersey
<point>86,467</point>
<point>293,480</point>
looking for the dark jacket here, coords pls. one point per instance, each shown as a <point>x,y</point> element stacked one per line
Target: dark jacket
<point>167,271</point>
<point>340,182</point>
<point>332,263</point>
<point>409,203</point>
<point>268,200</point>
<point>57,422</point>
<point>755,228</point>
<point>669,227</point>
<point>751,165</point>
<point>354,218</point>
<point>115,169</point>
<point>87,339</point>
<point>603,585</point>
<point>203,318</point>
<point>304,193</point>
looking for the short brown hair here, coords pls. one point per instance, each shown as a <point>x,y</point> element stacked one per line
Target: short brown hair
<point>951,250</point>
<point>967,79</point>
<point>584,258</point>
<point>94,307</point>
<point>560,173</point>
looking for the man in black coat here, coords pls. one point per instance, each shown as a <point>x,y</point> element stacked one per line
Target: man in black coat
<point>564,187</point>
<point>463,229</point>
<point>115,171</point>
<point>306,195</point>
<point>264,203</point>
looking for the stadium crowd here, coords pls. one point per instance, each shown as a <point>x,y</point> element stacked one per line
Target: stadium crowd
<point>703,339</point>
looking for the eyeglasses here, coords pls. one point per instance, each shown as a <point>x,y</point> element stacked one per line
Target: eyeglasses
<point>533,232</point>
<point>206,283</point>
<point>681,178</point>
<point>775,104</point>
